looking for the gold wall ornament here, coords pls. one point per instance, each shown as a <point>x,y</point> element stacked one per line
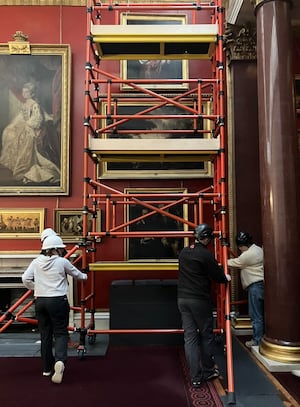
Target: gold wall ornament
<point>20,45</point>
<point>240,42</point>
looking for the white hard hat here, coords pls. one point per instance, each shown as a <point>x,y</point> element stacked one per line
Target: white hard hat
<point>47,232</point>
<point>53,242</point>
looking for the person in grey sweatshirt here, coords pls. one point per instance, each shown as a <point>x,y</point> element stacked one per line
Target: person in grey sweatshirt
<point>47,277</point>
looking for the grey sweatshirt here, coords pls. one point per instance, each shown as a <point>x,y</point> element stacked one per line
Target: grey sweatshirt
<point>251,263</point>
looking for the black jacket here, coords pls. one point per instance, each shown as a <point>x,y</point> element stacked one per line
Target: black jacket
<point>197,268</point>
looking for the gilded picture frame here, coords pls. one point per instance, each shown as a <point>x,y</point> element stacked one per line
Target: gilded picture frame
<point>297,94</point>
<point>141,167</point>
<point>21,223</point>
<point>165,249</point>
<point>68,224</point>
<point>34,119</point>
<point>154,69</point>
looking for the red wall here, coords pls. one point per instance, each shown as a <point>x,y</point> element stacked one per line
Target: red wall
<point>67,25</point>
<point>42,25</point>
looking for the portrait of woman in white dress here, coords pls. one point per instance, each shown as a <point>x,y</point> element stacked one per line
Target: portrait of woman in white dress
<point>35,121</point>
<point>29,148</point>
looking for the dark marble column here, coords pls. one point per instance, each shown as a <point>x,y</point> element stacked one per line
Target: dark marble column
<point>280,180</point>
<point>243,149</point>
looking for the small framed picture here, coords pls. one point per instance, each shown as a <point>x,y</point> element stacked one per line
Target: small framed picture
<point>68,224</point>
<point>21,223</point>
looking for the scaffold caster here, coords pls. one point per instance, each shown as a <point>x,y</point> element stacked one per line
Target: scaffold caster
<point>81,351</point>
<point>92,339</point>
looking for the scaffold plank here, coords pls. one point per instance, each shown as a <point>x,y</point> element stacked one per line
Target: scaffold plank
<point>152,146</point>
<point>188,41</point>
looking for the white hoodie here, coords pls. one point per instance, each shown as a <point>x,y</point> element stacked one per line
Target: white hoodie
<point>47,276</point>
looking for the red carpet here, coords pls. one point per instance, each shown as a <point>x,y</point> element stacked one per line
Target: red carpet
<point>125,377</point>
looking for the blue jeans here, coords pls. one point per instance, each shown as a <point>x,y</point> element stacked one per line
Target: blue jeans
<point>197,323</point>
<point>53,318</point>
<point>256,309</point>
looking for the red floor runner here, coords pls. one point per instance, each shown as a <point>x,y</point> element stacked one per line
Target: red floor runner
<point>125,377</point>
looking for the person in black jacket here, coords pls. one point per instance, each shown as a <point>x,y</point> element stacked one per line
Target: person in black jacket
<point>197,268</point>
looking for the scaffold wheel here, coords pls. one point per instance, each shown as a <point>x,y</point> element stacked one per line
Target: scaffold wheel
<point>81,351</point>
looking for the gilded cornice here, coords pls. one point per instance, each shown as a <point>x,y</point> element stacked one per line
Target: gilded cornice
<point>240,42</point>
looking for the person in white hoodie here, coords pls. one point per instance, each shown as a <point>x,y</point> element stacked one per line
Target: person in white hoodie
<point>251,264</point>
<point>47,277</point>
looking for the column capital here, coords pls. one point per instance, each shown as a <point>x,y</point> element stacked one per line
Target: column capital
<point>240,42</point>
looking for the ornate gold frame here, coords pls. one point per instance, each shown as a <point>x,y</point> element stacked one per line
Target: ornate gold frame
<point>132,212</point>
<point>22,61</point>
<point>171,69</point>
<point>21,223</point>
<point>75,216</point>
<point>141,167</point>
<point>297,93</point>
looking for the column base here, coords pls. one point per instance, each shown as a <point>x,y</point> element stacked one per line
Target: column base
<point>280,353</point>
<point>273,365</point>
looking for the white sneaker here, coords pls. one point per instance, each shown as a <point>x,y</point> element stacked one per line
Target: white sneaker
<point>59,368</point>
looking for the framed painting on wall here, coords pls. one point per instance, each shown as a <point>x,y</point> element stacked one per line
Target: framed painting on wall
<point>155,248</point>
<point>21,223</point>
<point>68,224</point>
<point>34,120</point>
<point>154,69</point>
<point>297,93</point>
<point>142,167</point>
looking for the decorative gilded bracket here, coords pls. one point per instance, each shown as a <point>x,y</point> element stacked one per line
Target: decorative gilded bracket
<point>20,45</point>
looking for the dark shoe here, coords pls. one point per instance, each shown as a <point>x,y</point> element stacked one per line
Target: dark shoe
<point>213,375</point>
<point>196,382</point>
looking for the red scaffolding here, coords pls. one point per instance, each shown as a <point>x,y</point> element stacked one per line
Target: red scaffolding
<point>200,102</point>
<point>109,139</point>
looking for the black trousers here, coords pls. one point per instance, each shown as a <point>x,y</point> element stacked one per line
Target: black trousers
<point>53,318</point>
<point>197,322</point>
